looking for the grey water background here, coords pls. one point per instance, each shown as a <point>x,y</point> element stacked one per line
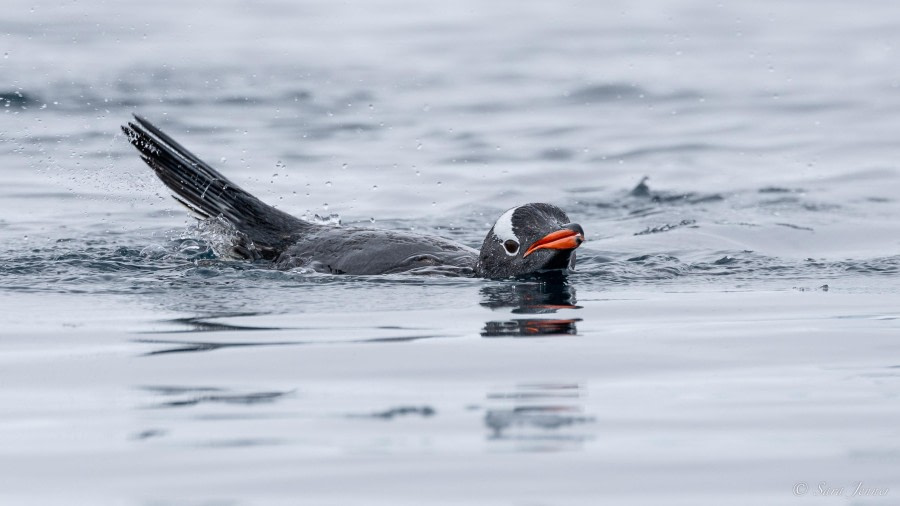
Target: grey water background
<point>729,336</point>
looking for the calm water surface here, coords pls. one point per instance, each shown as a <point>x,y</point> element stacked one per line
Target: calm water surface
<point>729,337</point>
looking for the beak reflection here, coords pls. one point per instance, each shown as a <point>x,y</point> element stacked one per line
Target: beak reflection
<point>530,328</point>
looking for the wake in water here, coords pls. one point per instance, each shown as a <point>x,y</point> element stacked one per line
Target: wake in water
<point>681,239</point>
<point>199,255</point>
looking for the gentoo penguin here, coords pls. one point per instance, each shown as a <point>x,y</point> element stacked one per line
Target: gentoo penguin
<point>524,240</point>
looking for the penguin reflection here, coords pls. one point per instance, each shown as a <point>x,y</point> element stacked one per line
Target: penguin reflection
<point>538,417</point>
<point>542,296</point>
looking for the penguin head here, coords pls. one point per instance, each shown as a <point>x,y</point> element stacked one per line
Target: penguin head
<point>529,239</point>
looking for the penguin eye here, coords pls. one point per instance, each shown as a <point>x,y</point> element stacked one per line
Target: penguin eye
<point>512,247</point>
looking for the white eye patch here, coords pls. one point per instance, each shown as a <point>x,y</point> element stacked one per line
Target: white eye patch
<point>503,229</point>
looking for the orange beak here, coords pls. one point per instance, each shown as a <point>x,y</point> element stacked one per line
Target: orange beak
<point>561,239</point>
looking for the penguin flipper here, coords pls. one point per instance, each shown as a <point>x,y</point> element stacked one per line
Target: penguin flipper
<point>207,193</point>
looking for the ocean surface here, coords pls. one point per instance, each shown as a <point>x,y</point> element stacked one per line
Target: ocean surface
<point>731,334</point>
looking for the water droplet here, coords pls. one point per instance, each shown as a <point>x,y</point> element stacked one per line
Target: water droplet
<point>371,220</point>
<point>374,187</point>
<point>418,144</point>
<point>439,183</point>
<point>325,206</point>
<point>344,165</point>
<point>328,184</point>
<point>223,160</point>
<point>330,219</point>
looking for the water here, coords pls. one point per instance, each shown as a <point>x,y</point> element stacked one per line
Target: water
<point>729,336</point>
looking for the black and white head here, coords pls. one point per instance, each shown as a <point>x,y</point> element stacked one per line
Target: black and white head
<point>528,239</point>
